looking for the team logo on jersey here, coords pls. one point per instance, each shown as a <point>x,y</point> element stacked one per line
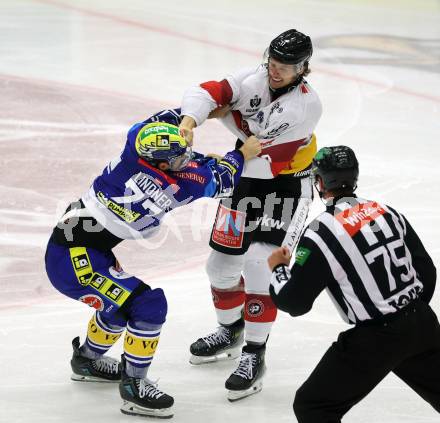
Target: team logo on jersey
<point>229,227</point>
<point>92,301</point>
<point>255,102</point>
<point>260,117</point>
<point>255,308</point>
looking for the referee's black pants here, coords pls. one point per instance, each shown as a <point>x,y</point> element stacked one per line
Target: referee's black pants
<point>407,343</point>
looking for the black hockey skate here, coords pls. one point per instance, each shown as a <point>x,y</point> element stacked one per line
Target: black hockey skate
<point>143,398</point>
<point>103,369</point>
<point>248,377</point>
<point>224,344</point>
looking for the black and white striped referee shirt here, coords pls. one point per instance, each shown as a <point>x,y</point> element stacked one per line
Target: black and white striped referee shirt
<point>366,255</point>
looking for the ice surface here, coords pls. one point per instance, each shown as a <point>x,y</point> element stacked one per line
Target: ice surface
<point>74,75</point>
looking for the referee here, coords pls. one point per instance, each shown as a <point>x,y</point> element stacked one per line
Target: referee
<point>377,272</point>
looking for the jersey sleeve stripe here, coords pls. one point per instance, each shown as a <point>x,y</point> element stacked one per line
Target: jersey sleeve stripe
<point>221,92</point>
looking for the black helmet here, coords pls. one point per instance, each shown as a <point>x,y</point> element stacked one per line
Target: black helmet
<point>337,166</point>
<point>291,47</point>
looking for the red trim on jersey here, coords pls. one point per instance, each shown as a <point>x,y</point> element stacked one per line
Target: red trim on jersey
<point>221,92</point>
<point>227,300</point>
<point>304,89</point>
<point>168,178</point>
<point>356,217</point>
<point>259,309</point>
<point>241,123</point>
<point>281,154</point>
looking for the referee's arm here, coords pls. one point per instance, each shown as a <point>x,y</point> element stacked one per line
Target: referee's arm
<point>295,290</point>
<point>421,261</point>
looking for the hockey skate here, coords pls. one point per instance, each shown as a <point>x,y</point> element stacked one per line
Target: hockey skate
<point>247,379</point>
<point>143,398</point>
<point>224,344</point>
<point>103,369</point>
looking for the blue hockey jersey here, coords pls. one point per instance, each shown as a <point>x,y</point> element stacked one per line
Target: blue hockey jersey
<point>131,196</point>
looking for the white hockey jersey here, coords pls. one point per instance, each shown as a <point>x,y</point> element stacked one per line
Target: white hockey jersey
<point>284,126</point>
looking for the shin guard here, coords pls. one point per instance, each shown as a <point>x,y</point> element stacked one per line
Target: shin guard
<point>140,344</point>
<point>228,304</point>
<point>101,336</point>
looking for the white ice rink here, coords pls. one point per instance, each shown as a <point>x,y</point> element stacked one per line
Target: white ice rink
<point>75,74</point>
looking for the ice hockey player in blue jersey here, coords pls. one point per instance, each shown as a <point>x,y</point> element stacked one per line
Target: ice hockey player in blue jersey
<point>156,173</point>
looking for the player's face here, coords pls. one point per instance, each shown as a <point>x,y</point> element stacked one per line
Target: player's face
<point>281,74</point>
<point>182,161</point>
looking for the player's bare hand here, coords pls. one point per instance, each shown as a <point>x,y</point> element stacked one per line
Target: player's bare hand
<point>279,256</point>
<point>219,112</point>
<point>186,129</point>
<point>188,134</point>
<point>251,147</point>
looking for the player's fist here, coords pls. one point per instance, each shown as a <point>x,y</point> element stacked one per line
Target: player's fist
<point>279,256</point>
<point>251,147</point>
<point>186,129</point>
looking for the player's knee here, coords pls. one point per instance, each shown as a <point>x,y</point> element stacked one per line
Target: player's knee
<point>224,270</point>
<point>149,306</point>
<point>112,322</point>
<point>260,250</point>
<point>256,272</point>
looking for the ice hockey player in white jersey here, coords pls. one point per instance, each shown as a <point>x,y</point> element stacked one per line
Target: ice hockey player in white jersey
<point>276,104</point>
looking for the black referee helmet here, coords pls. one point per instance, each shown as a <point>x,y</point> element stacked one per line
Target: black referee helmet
<point>337,166</point>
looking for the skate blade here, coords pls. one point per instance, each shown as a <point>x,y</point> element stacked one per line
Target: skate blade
<point>238,395</point>
<point>132,409</point>
<point>81,378</point>
<point>226,355</point>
